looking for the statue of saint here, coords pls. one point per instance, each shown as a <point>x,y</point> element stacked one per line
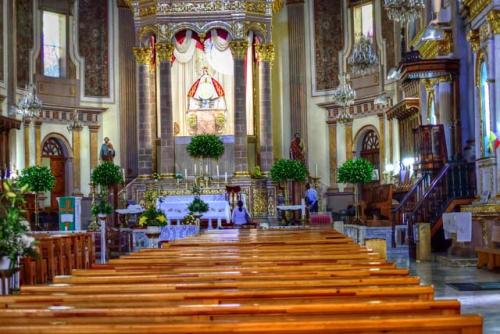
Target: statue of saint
<point>107,151</point>
<point>297,149</point>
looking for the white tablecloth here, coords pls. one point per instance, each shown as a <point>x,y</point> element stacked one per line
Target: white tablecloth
<point>176,207</point>
<point>459,223</point>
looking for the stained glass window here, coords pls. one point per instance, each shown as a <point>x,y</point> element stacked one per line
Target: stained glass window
<point>54,44</point>
<point>363,20</point>
<point>484,94</point>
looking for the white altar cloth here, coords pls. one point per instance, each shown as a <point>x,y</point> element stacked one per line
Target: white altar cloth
<point>459,223</point>
<point>176,208</point>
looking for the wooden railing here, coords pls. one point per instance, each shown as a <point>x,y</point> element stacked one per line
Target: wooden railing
<point>456,180</point>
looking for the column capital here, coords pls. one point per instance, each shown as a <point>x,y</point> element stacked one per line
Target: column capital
<point>239,48</point>
<point>78,128</point>
<point>493,19</point>
<point>94,127</point>
<point>164,52</point>
<point>473,38</point>
<point>37,123</point>
<point>142,55</point>
<point>26,121</point>
<point>265,52</point>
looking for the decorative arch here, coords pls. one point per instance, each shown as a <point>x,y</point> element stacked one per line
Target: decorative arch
<point>64,143</point>
<point>358,138</point>
<point>200,29</point>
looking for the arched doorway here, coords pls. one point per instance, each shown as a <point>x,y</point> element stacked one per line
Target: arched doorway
<point>370,148</point>
<point>54,156</point>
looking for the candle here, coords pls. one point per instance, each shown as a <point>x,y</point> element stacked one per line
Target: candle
<point>206,169</point>
<point>316,170</point>
<point>185,173</point>
<point>225,177</point>
<point>195,170</point>
<point>217,168</point>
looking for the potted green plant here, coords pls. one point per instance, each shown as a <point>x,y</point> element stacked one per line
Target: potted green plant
<point>357,171</point>
<point>198,206</point>
<point>101,208</point>
<point>153,219</point>
<point>14,229</point>
<point>107,175</point>
<point>205,146</point>
<point>286,170</point>
<point>39,179</point>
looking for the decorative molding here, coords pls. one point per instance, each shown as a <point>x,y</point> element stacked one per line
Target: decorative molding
<point>62,115</point>
<point>239,48</point>
<point>361,108</point>
<point>142,55</point>
<point>164,52</point>
<point>473,39</point>
<point>493,19</point>
<point>476,7</point>
<point>265,53</point>
<point>484,32</point>
<point>432,49</point>
<point>404,109</point>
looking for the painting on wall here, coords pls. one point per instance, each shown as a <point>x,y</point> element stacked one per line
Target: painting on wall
<point>328,41</point>
<point>24,37</point>
<point>93,41</point>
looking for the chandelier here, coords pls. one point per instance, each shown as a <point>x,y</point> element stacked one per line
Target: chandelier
<point>363,58</point>
<point>75,123</point>
<point>29,105</point>
<point>404,10</point>
<point>344,96</point>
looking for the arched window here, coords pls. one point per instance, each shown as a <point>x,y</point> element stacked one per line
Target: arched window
<point>52,148</point>
<point>485,110</point>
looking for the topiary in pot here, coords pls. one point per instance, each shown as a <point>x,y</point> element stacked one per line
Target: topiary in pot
<point>205,146</point>
<point>106,175</point>
<point>38,179</point>
<point>285,170</point>
<point>357,171</point>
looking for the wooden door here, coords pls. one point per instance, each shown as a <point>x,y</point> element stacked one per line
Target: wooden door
<point>57,166</point>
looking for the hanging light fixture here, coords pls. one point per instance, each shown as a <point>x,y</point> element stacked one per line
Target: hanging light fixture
<point>75,123</point>
<point>363,58</point>
<point>404,10</point>
<point>29,105</point>
<point>344,96</point>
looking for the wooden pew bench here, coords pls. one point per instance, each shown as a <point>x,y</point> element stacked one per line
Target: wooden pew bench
<point>489,257</point>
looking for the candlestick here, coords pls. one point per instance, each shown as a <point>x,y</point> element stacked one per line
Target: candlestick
<point>316,170</point>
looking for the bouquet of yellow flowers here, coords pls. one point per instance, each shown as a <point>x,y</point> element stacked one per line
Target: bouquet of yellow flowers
<point>152,217</point>
<point>189,220</point>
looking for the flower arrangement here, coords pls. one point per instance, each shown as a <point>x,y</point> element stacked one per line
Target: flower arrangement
<point>288,170</point>
<point>155,176</point>
<point>198,205</point>
<point>101,207</point>
<point>357,171</point>
<point>106,175</point>
<point>257,173</point>
<point>152,217</point>
<point>14,229</point>
<point>205,146</point>
<point>189,220</point>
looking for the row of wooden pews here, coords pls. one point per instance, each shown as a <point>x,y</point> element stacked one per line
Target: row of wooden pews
<point>239,281</point>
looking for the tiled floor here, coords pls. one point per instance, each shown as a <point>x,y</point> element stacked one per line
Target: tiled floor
<point>485,303</point>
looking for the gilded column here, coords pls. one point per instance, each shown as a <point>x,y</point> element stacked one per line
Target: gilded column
<point>38,142</point>
<point>381,120</point>
<point>164,53</point>
<point>265,56</point>
<point>332,134</point>
<point>27,122</point>
<point>348,140</point>
<point>94,147</point>
<point>239,50</point>
<point>297,65</point>
<point>145,143</point>
<point>76,161</point>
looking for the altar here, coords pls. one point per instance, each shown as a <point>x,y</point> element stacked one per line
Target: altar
<point>175,208</point>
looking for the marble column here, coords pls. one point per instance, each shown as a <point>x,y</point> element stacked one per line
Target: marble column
<point>145,142</point>
<point>348,140</point>
<point>381,120</point>
<point>332,134</point>
<point>76,160</point>
<point>297,66</point>
<point>38,141</point>
<point>239,50</point>
<point>94,147</point>
<point>164,53</point>
<point>265,57</point>
<point>391,140</point>
<point>27,122</point>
